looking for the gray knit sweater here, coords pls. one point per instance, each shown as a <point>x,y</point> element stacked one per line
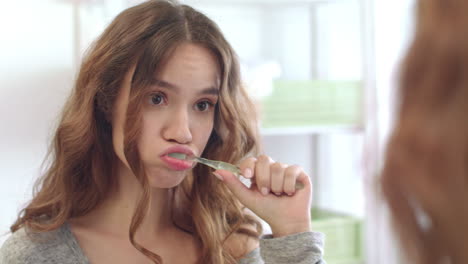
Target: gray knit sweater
<point>60,246</point>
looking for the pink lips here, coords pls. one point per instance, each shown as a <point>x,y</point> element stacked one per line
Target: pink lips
<point>177,164</point>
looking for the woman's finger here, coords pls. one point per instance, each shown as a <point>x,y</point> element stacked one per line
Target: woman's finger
<point>244,194</point>
<point>247,167</point>
<point>290,177</point>
<point>277,177</point>
<point>262,174</point>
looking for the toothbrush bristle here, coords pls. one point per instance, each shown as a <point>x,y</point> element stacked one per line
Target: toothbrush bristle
<point>176,155</point>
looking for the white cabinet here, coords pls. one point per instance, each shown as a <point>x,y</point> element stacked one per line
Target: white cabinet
<point>312,40</point>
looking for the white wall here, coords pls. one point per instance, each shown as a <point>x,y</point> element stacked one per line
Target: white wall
<point>35,77</point>
<point>339,53</point>
<point>393,21</point>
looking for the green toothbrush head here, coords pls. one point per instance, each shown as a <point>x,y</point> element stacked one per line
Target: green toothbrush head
<point>177,155</point>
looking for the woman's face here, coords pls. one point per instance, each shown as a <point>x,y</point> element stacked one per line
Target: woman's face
<point>177,114</point>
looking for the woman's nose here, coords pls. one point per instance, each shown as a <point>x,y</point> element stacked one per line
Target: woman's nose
<point>178,128</point>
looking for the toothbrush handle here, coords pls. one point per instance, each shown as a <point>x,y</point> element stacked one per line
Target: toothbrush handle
<point>219,165</point>
<point>232,168</point>
<point>299,185</point>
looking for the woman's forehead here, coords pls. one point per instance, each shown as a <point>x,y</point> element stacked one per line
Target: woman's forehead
<point>189,65</point>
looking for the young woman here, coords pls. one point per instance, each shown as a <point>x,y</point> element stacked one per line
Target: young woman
<point>161,79</point>
<point>425,179</point>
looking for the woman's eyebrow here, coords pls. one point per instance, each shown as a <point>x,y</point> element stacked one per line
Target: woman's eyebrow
<point>210,91</point>
<point>164,84</point>
<point>207,91</point>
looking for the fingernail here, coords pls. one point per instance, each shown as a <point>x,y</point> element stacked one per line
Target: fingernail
<point>265,191</point>
<point>278,194</point>
<point>290,194</point>
<point>218,176</point>
<point>248,173</point>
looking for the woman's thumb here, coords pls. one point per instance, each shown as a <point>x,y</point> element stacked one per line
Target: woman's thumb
<point>242,192</point>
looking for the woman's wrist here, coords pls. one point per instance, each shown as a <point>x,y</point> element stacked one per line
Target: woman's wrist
<point>290,229</point>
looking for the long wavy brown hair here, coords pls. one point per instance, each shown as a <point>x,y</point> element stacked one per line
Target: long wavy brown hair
<point>81,158</point>
<point>430,138</point>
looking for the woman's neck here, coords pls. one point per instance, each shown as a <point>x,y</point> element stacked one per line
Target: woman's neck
<point>115,214</point>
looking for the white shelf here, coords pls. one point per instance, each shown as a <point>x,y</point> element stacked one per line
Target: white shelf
<point>320,129</point>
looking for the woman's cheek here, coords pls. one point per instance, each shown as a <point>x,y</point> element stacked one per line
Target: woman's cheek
<point>204,128</point>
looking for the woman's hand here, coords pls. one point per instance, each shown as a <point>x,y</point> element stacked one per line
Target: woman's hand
<point>272,195</point>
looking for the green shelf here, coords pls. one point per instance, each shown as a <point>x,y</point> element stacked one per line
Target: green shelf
<point>343,236</point>
<point>309,103</point>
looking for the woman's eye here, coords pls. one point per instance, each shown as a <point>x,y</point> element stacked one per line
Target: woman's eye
<point>157,99</point>
<point>204,106</point>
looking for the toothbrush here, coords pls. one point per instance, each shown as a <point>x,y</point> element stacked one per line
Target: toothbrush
<point>217,165</point>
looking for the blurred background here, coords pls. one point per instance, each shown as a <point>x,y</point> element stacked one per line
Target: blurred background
<point>322,73</point>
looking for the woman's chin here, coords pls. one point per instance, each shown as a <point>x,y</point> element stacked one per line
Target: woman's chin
<point>169,179</point>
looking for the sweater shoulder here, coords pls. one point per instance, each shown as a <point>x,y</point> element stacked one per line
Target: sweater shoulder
<point>25,246</point>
